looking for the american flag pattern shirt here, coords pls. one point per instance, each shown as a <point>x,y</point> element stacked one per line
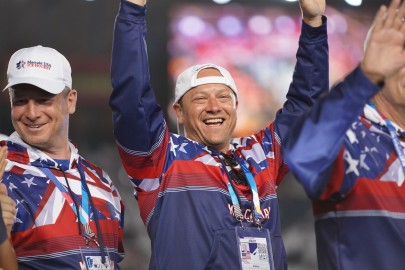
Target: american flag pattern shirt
<point>45,232</point>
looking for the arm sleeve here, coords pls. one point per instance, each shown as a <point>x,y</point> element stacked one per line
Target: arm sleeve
<point>310,78</point>
<point>139,125</point>
<point>313,145</point>
<point>137,118</point>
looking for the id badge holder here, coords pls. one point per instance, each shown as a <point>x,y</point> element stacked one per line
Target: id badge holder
<point>254,248</point>
<point>92,260</point>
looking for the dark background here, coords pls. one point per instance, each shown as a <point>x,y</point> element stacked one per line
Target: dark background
<point>82,31</point>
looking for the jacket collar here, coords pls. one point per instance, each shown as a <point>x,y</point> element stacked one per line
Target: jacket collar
<point>374,116</point>
<point>21,152</point>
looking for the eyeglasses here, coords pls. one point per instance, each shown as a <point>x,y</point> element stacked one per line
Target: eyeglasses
<point>236,173</point>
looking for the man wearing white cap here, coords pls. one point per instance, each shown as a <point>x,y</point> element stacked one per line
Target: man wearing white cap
<point>69,214</point>
<point>205,195</point>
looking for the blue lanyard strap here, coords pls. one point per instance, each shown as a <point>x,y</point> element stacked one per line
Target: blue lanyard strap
<point>394,137</point>
<point>396,142</point>
<point>66,195</point>
<point>235,202</point>
<point>235,198</point>
<point>83,214</point>
<point>252,183</point>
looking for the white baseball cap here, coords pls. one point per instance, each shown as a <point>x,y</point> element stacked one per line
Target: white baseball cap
<point>43,67</point>
<point>188,80</point>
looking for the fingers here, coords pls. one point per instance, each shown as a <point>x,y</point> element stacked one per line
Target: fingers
<point>7,203</point>
<point>8,212</point>
<point>402,29</point>
<point>380,19</point>
<point>3,162</point>
<point>391,15</point>
<point>384,47</point>
<point>3,189</point>
<point>8,208</point>
<point>400,17</point>
<point>396,18</point>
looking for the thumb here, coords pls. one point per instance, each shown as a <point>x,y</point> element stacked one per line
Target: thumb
<point>3,189</point>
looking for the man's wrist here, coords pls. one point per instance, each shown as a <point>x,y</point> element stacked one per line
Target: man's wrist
<point>314,21</point>
<point>375,78</point>
<point>138,2</point>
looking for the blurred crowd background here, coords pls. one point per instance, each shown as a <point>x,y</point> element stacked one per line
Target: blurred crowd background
<point>256,40</point>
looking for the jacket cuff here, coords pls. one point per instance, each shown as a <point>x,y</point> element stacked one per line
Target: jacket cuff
<point>313,35</point>
<point>131,11</point>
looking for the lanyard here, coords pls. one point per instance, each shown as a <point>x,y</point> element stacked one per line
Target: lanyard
<point>253,187</point>
<point>83,214</point>
<point>394,137</point>
<point>234,196</point>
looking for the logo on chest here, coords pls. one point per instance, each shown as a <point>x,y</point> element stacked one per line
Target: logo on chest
<point>248,214</point>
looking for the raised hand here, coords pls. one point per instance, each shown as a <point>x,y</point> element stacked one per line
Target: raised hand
<point>312,11</point>
<point>384,54</point>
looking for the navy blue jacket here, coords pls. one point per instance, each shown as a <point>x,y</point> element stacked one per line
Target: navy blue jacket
<point>354,176</point>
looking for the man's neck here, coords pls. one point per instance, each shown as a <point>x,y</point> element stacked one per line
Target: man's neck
<point>392,112</point>
<point>60,153</point>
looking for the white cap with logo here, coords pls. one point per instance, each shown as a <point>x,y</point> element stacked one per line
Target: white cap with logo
<point>43,67</point>
<point>188,80</point>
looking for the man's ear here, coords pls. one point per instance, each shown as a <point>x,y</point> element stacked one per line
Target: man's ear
<point>72,100</point>
<point>179,112</point>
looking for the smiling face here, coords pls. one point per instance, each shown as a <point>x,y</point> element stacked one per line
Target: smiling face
<point>208,113</point>
<point>41,118</point>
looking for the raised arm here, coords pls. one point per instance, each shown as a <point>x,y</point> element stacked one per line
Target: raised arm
<point>311,74</point>
<point>137,118</point>
<point>314,144</point>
